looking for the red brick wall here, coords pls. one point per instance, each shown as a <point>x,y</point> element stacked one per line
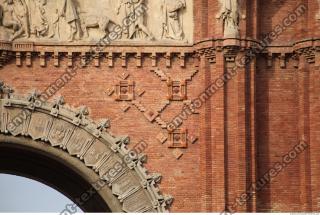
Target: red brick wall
<point>243,130</point>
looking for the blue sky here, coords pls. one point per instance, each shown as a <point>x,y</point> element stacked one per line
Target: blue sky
<point>19,194</point>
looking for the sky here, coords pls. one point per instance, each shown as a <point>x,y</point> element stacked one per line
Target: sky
<point>20,194</point>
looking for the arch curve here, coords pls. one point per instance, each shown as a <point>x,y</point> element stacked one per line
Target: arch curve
<point>63,128</point>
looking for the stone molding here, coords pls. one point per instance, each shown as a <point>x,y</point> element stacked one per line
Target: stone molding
<point>27,52</point>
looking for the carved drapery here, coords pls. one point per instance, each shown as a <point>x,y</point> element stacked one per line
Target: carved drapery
<point>70,20</point>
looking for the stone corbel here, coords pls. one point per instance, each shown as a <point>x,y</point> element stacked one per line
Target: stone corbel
<point>18,59</point>
<point>296,60</point>
<point>56,60</point>
<point>139,59</point>
<point>182,59</point>
<point>309,53</point>
<point>83,59</point>
<point>210,55</point>
<point>42,56</point>
<point>3,58</point>
<point>70,59</point>
<point>29,59</point>
<point>96,59</point>
<point>282,60</point>
<point>154,59</point>
<point>230,53</point>
<point>110,59</point>
<point>124,59</point>
<point>168,59</point>
<point>269,60</point>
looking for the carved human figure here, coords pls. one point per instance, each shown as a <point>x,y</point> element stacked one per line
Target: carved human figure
<point>7,16</point>
<point>15,17</point>
<point>172,21</point>
<point>69,12</point>
<point>38,19</point>
<point>54,29</point>
<point>20,11</point>
<point>231,18</point>
<point>136,29</point>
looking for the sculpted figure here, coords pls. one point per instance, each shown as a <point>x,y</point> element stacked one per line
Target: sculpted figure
<point>15,17</point>
<point>172,26</point>
<point>7,16</point>
<point>20,11</point>
<point>70,13</point>
<point>136,29</point>
<point>231,18</point>
<point>93,21</point>
<point>54,25</point>
<point>38,19</point>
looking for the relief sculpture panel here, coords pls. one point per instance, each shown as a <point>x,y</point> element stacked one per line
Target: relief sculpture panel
<point>89,21</point>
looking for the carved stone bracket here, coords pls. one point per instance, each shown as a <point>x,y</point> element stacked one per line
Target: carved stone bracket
<point>209,53</point>
<point>309,53</point>
<point>4,57</point>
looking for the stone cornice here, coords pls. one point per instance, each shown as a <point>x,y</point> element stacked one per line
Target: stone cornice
<point>208,48</point>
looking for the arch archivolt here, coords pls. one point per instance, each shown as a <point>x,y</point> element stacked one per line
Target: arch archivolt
<point>73,132</point>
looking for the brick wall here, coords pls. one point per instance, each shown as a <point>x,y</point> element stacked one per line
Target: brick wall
<point>243,129</point>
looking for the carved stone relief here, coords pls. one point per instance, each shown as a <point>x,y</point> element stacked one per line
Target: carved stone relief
<point>81,20</point>
<point>230,16</point>
<point>173,19</point>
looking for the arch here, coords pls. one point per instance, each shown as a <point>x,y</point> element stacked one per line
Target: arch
<point>69,137</point>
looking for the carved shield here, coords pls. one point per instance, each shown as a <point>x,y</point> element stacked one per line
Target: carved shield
<point>79,142</point>
<point>112,168</point>
<point>39,125</point>
<point>60,132</point>
<point>126,184</point>
<point>97,151</point>
<point>137,202</point>
<point>16,118</point>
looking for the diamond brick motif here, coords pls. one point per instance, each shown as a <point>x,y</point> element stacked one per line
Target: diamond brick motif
<point>162,138</point>
<point>140,92</point>
<point>192,139</point>
<point>125,107</point>
<point>124,75</point>
<point>177,153</point>
<point>110,91</point>
<point>178,139</point>
<point>151,115</point>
